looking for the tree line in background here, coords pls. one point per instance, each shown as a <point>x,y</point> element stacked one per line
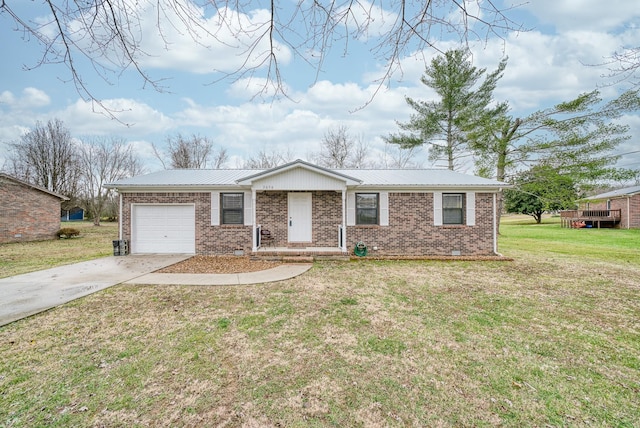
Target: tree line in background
<point>552,156</point>
<point>49,157</point>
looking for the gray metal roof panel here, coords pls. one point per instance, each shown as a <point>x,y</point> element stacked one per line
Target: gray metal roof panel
<point>186,177</point>
<point>368,177</point>
<point>627,191</point>
<point>419,178</point>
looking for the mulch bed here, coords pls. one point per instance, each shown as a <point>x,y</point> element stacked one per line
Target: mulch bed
<point>219,264</point>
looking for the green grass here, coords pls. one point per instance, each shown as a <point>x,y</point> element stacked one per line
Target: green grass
<point>519,234</point>
<point>93,242</point>
<point>549,339</point>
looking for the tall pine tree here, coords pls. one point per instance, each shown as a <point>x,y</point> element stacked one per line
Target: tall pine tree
<point>444,124</point>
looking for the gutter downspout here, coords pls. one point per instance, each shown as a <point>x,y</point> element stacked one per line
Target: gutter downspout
<point>495,224</point>
<point>254,236</point>
<point>343,244</point>
<point>120,218</point>
<point>628,212</point>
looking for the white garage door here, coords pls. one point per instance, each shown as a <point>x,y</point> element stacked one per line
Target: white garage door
<point>163,229</point>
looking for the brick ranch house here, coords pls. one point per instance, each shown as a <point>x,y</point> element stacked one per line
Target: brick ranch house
<point>623,204</point>
<point>27,212</point>
<point>310,210</point>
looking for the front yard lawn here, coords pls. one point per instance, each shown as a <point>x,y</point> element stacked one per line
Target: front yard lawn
<point>93,242</point>
<point>550,339</point>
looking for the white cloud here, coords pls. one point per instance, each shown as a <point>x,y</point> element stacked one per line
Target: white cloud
<point>31,98</point>
<point>34,97</point>
<point>6,97</point>
<point>588,15</point>
<point>177,35</point>
<point>86,118</point>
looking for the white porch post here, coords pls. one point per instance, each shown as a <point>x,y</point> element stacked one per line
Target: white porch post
<point>254,238</point>
<point>495,224</point>
<point>343,244</point>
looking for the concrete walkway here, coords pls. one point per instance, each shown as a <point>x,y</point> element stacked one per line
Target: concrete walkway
<point>31,293</point>
<point>278,273</point>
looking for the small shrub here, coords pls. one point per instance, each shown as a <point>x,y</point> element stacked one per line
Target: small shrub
<point>67,232</point>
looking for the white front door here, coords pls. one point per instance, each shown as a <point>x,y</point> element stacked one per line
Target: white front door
<point>299,217</point>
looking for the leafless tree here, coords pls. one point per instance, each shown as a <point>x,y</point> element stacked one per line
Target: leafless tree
<point>195,152</point>
<point>396,157</point>
<point>47,156</point>
<point>266,159</point>
<point>341,150</point>
<point>624,66</point>
<point>112,34</point>
<point>104,161</point>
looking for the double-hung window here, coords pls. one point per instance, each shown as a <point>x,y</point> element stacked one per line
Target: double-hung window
<point>367,208</point>
<point>232,208</point>
<point>453,208</point>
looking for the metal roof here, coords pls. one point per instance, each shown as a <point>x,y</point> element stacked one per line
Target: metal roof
<point>627,191</point>
<point>399,178</point>
<point>419,178</point>
<point>186,177</point>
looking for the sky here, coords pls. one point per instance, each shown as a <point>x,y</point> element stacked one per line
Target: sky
<point>555,57</point>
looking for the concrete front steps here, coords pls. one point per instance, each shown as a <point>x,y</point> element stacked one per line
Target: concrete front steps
<point>300,254</point>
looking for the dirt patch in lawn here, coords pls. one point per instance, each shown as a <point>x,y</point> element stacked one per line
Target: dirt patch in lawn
<point>220,264</point>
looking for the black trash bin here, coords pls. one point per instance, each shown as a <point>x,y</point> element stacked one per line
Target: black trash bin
<point>120,247</point>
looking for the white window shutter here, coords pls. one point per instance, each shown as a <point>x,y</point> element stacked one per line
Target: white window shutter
<point>437,208</point>
<point>215,208</point>
<point>248,209</point>
<point>351,208</point>
<point>471,209</point>
<point>384,208</point>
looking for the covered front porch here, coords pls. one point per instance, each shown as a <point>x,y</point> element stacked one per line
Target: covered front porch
<point>300,208</point>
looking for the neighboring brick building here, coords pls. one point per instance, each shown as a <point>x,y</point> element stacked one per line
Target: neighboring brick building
<point>27,212</point>
<point>626,200</point>
<point>309,209</point>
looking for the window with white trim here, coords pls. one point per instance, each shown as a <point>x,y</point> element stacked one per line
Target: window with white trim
<point>367,208</point>
<point>453,208</point>
<point>231,208</point>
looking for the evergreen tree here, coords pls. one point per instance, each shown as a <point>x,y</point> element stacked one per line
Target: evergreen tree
<point>577,137</point>
<point>464,100</point>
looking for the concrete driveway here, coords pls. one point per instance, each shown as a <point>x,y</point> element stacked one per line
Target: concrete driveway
<point>28,294</point>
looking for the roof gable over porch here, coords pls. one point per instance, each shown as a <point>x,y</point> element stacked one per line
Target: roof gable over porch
<point>299,175</point>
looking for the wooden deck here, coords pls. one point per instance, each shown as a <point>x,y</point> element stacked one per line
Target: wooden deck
<point>590,218</point>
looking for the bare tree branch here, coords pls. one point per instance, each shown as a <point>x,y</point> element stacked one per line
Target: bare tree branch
<point>111,34</point>
<point>195,152</point>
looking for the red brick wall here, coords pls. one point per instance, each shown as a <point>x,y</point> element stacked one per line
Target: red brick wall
<point>214,240</point>
<point>634,205</point>
<point>272,214</point>
<point>326,209</point>
<point>411,230</point>
<point>27,214</point>
<point>627,221</point>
